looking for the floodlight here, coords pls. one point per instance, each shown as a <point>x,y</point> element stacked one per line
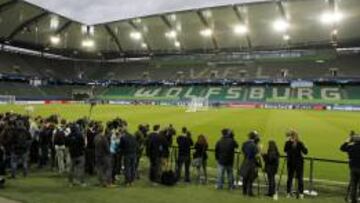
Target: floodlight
<point>144,45</point>
<point>171,34</point>
<point>240,29</point>
<point>206,32</point>
<point>334,32</point>
<point>55,40</point>
<point>88,43</point>
<point>136,35</point>
<point>177,44</point>
<point>286,37</point>
<point>331,17</point>
<point>281,25</point>
<point>54,22</point>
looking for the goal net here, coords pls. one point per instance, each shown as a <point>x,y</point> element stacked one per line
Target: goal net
<point>7,99</point>
<point>198,104</point>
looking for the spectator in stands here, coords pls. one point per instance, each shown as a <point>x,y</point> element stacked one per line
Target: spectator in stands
<point>200,158</point>
<point>154,152</point>
<point>128,146</point>
<point>224,155</point>
<point>102,157</point>
<point>185,143</point>
<point>271,159</point>
<point>59,143</point>
<point>295,149</point>
<point>76,144</point>
<point>352,147</point>
<point>250,165</point>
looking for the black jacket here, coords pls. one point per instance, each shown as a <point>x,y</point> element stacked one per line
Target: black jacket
<point>128,145</point>
<point>154,146</point>
<point>201,151</point>
<point>76,144</point>
<point>271,162</point>
<point>102,146</point>
<point>225,151</point>
<point>184,143</point>
<point>354,154</point>
<point>295,153</point>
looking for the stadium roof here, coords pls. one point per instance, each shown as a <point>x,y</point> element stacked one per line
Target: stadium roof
<point>268,25</point>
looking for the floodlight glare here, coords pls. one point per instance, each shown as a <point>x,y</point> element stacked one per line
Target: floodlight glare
<point>171,34</point>
<point>136,35</point>
<point>240,29</point>
<point>144,45</point>
<point>55,40</point>
<point>281,25</point>
<point>334,32</point>
<point>177,44</point>
<point>286,37</point>
<point>206,32</point>
<point>88,43</point>
<point>331,17</point>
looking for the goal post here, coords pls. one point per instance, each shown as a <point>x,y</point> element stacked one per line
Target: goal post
<point>196,104</point>
<point>7,99</point>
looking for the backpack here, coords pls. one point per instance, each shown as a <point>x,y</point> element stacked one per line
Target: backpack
<point>168,177</point>
<point>59,137</point>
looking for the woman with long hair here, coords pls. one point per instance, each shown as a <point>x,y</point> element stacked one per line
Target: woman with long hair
<point>271,160</point>
<point>200,158</point>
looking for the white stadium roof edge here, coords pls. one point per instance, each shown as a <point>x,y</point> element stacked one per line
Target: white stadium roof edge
<point>225,26</point>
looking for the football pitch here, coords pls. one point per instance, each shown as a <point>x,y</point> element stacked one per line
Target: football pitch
<point>322,131</point>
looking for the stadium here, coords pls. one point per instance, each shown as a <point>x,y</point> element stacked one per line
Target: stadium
<point>242,67</point>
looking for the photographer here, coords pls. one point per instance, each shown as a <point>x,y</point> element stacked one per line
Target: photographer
<point>224,155</point>
<point>128,146</point>
<point>352,147</point>
<point>249,167</point>
<point>154,152</point>
<point>295,149</point>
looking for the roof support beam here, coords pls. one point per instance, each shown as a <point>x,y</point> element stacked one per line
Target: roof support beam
<point>137,28</point>
<point>207,25</point>
<point>242,20</point>
<point>63,28</point>
<point>114,37</point>
<point>8,5</point>
<point>284,16</point>
<point>27,23</point>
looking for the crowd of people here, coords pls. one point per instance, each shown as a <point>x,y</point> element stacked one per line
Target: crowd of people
<point>90,148</point>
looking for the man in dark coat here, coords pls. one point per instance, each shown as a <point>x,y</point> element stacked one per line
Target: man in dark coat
<point>129,147</point>
<point>352,147</point>
<point>185,143</point>
<point>102,157</point>
<point>295,149</point>
<point>154,150</point>
<point>249,167</point>
<point>224,155</point>
<point>76,145</point>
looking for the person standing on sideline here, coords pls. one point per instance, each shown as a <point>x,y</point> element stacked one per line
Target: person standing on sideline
<point>102,157</point>
<point>352,147</point>
<point>271,159</point>
<point>184,142</point>
<point>154,152</point>
<point>224,155</point>
<point>295,149</point>
<point>59,144</point>
<point>76,144</point>
<point>251,163</point>
<point>128,146</point>
<point>200,158</point>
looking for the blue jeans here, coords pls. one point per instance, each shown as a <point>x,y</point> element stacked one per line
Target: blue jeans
<point>130,168</point>
<point>17,159</point>
<point>221,176</point>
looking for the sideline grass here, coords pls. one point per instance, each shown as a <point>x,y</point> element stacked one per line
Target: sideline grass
<point>322,131</point>
<point>45,187</point>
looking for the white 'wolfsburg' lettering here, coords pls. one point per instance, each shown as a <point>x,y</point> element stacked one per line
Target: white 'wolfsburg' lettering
<point>330,93</point>
<point>233,93</point>
<point>142,92</point>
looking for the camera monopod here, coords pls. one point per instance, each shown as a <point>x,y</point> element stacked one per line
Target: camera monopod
<point>92,105</point>
<point>280,178</point>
